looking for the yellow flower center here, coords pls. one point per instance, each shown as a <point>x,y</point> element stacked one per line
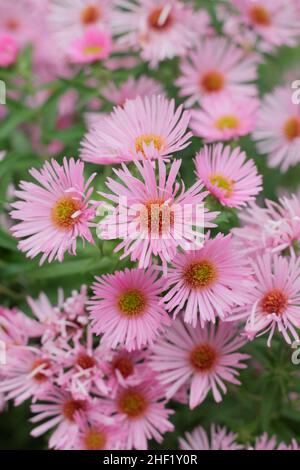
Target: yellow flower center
<point>203,357</point>
<point>63,212</point>
<point>223,183</point>
<point>132,403</point>
<point>148,139</point>
<point>200,274</point>
<point>132,303</point>
<point>292,128</point>
<point>228,121</point>
<point>95,439</point>
<point>91,50</point>
<point>212,81</point>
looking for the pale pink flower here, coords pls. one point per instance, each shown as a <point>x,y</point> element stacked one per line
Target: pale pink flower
<point>155,218</point>
<point>125,308</point>
<point>94,435</point>
<point>18,20</point>
<point>16,328</point>
<point>228,175</point>
<point>161,29</point>
<point>207,283</point>
<point>69,19</point>
<point>144,123</point>
<point>220,439</point>
<point>274,21</point>
<point>216,67</point>
<point>142,413</point>
<point>55,212</point>
<point>277,129</point>
<point>8,50</point>
<point>202,358</point>
<point>274,300</point>
<point>274,228</point>
<point>131,89</point>
<point>92,46</point>
<point>224,117</point>
<point>264,442</point>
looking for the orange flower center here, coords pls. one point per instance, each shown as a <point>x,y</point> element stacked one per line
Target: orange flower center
<point>91,50</point>
<point>40,376</point>
<point>148,139</point>
<point>203,357</point>
<point>274,301</point>
<point>156,217</point>
<point>124,365</point>
<point>12,24</point>
<point>63,212</point>
<point>212,81</point>
<point>160,19</point>
<point>132,403</point>
<point>260,15</point>
<point>228,121</point>
<point>70,407</point>
<point>90,14</point>
<point>200,274</point>
<point>223,183</point>
<point>292,128</point>
<point>95,439</point>
<point>85,361</point>
<point>132,303</point>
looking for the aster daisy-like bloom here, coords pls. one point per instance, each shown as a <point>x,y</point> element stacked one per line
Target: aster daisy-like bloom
<point>18,20</point>
<point>274,228</point>
<point>142,413</point>
<point>94,435</point>
<point>220,439</point>
<point>224,117</point>
<point>274,21</point>
<point>227,174</point>
<point>207,283</point>
<point>8,50</point>
<point>152,216</point>
<point>265,442</point>
<point>203,358</point>
<point>277,129</point>
<point>55,212</point>
<point>16,328</point>
<point>144,123</point>
<point>216,67</point>
<point>69,19</point>
<point>92,46</point>
<point>161,29</point>
<point>126,309</point>
<point>131,89</point>
<point>274,300</point>
<point>60,410</point>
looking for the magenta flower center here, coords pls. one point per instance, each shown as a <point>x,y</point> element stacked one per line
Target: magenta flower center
<point>292,128</point>
<point>260,15</point>
<point>90,14</point>
<point>132,303</point>
<point>159,20</point>
<point>203,357</point>
<point>124,366</point>
<point>85,361</point>
<point>275,301</point>
<point>132,403</point>
<point>212,81</point>
<point>95,439</point>
<point>200,274</point>
<point>63,212</point>
<point>70,407</point>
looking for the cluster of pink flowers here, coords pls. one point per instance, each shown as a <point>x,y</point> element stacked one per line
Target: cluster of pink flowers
<point>101,367</point>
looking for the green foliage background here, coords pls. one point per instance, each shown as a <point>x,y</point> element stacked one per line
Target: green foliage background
<point>263,402</point>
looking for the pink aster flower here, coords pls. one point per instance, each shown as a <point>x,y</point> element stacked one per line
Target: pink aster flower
<point>94,45</point>
<point>70,19</point>
<point>274,228</point>
<point>131,89</point>
<point>142,123</point>
<point>18,19</point>
<point>224,117</point>
<point>142,413</point>
<point>126,309</point>
<point>228,175</point>
<point>55,212</point>
<point>154,218</point>
<point>161,29</point>
<point>28,374</point>
<point>207,283</point>
<point>216,67</point>
<point>274,300</point>
<point>220,439</point>
<point>278,129</point>
<point>274,21</point>
<point>202,358</point>
<point>16,328</point>
<point>61,411</point>
<point>94,435</point>
<point>8,50</point>
<point>264,442</point>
